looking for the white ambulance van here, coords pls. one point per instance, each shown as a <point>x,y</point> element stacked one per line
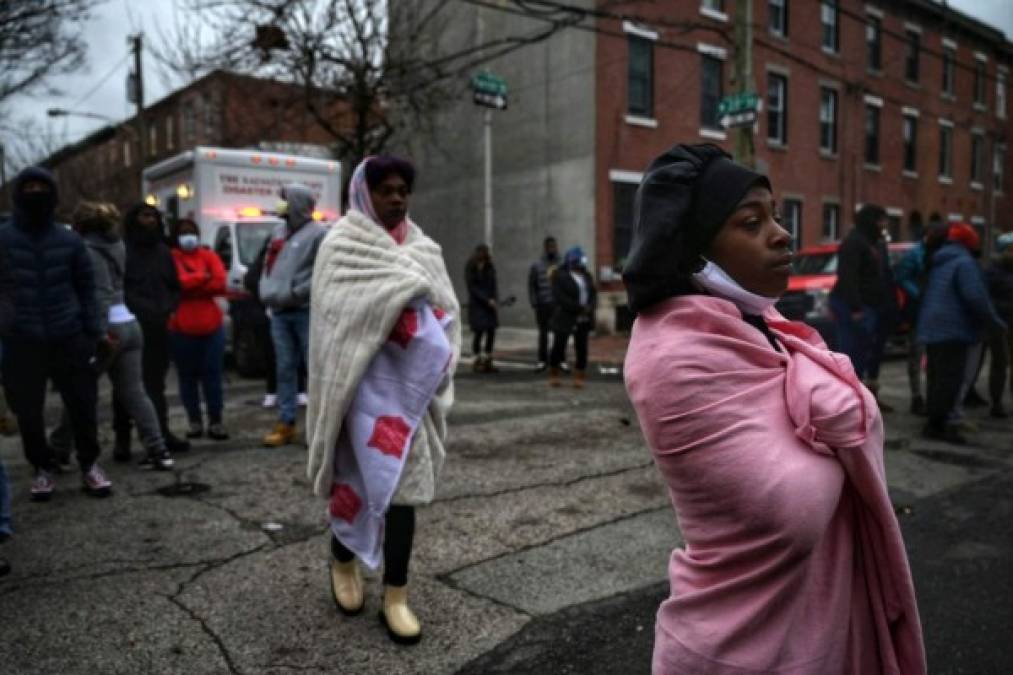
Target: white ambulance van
<point>232,195</point>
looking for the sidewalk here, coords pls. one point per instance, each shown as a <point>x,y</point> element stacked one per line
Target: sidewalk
<point>521,344</point>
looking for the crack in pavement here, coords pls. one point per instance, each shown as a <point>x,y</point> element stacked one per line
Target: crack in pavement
<point>533,486</point>
<point>444,576</point>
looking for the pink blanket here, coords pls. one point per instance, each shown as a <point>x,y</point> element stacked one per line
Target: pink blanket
<point>794,561</point>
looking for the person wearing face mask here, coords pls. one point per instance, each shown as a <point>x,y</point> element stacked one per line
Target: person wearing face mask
<point>540,296</point>
<point>151,289</point>
<point>285,290</point>
<point>196,335</point>
<point>386,338</point>
<point>575,300</point>
<point>56,332</point>
<point>770,445</point>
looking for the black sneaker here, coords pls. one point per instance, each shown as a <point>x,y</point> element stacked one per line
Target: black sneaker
<point>974,400</point>
<point>157,460</point>
<point>196,430</point>
<point>998,412</point>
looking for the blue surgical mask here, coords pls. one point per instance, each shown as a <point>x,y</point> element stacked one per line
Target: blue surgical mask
<point>189,242</point>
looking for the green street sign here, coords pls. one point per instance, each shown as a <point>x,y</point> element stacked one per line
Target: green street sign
<point>487,83</point>
<point>739,103</point>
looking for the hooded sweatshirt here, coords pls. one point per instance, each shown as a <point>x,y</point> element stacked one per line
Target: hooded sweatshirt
<point>54,297</point>
<point>288,265</point>
<point>150,285</point>
<point>108,258</point>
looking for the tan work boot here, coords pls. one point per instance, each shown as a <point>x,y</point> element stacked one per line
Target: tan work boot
<point>402,625</point>
<point>578,379</point>
<point>283,434</point>
<point>346,587</point>
<point>554,380</point>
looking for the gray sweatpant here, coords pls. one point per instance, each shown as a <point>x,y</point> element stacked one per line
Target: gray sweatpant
<point>128,387</point>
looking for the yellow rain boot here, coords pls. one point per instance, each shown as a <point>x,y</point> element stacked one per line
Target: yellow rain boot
<point>402,625</point>
<point>283,434</point>
<point>346,587</point>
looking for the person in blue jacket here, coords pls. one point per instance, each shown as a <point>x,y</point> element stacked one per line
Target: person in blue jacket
<point>911,274</point>
<point>56,333</point>
<point>955,312</point>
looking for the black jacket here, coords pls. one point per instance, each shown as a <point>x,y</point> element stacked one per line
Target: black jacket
<point>54,297</point>
<point>860,278</point>
<point>569,312</point>
<point>7,289</point>
<point>150,285</point>
<point>482,288</point>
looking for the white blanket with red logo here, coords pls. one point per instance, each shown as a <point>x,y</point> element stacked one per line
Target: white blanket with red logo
<point>362,283</point>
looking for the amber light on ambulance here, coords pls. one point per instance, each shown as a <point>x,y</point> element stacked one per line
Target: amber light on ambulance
<point>250,212</point>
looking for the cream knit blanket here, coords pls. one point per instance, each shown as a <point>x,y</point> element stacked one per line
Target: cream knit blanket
<point>362,281</point>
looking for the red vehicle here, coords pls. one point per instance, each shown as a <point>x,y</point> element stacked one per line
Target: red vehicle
<point>814,273</point>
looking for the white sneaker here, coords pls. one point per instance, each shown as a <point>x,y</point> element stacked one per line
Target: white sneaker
<point>95,481</point>
<point>302,399</point>
<point>270,400</point>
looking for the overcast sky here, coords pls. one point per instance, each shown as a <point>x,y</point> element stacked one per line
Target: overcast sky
<point>107,34</point>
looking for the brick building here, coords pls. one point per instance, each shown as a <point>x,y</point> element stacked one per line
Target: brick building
<point>219,109</point>
<point>899,103</point>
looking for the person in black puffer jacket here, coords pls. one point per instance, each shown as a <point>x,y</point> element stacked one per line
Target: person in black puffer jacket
<point>152,291</point>
<point>56,332</point>
<point>999,276</point>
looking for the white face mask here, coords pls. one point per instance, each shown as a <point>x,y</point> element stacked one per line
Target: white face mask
<point>716,281</point>
<point>189,242</point>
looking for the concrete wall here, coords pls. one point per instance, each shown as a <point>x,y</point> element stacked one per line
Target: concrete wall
<point>543,149</point>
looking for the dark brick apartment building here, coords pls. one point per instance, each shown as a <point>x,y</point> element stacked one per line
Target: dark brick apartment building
<point>219,109</point>
<point>902,103</point>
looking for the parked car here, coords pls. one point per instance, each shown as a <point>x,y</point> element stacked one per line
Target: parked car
<point>814,273</point>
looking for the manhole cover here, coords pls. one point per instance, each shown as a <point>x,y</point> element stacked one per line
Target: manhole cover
<point>183,489</point>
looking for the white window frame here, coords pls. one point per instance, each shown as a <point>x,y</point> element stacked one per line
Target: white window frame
<point>947,178</point>
<point>837,27</point>
<point>782,32</point>
<point>631,28</point>
<point>796,232</point>
<point>781,139</point>
<point>909,113</point>
<point>830,152</point>
<point>836,232</point>
<point>624,176</point>
<point>711,13</point>
<point>978,183</point>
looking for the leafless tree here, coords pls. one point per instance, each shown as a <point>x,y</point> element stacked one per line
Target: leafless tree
<point>360,85</point>
<point>39,39</point>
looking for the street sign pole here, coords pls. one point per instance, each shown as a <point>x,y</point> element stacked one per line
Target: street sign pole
<point>487,123</point>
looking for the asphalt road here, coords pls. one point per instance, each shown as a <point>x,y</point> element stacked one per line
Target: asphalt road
<point>545,551</point>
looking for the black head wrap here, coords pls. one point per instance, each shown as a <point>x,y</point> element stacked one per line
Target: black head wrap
<point>686,195</point>
<point>34,211</point>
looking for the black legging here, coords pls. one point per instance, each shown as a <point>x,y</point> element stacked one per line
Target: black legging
<point>559,340</point>
<point>476,341</point>
<point>399,533</point>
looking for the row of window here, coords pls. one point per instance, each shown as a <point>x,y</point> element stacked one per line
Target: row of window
<point>206,103</point>
<point>830,41</point>
<point>640,81</point>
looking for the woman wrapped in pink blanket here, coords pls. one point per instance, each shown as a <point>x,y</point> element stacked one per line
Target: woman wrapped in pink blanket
<point>769,444</point>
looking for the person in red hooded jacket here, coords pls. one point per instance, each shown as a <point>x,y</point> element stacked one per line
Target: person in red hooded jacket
<point>195,329</point>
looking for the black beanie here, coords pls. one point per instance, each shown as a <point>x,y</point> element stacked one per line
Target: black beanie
<point>685,197</point>
<point>719,189</point>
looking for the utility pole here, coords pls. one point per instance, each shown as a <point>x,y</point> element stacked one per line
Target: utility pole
<point>744,75</point>
<point>487,146</point>
<point>138,92</point>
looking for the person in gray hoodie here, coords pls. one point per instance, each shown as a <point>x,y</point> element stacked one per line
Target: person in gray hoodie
<point>120,353</point>
<point>285,291</point>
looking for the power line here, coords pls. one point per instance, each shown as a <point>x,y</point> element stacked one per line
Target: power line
<point>102,81</point>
